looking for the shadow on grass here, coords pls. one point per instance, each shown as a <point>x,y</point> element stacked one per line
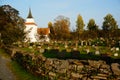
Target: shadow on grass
<point>54,53</point>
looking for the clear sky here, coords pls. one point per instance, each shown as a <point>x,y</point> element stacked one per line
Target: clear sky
<point>44,11</point>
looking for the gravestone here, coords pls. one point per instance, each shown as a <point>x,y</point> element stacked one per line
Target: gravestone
<point>117,49</point>
<point>41,50</point>
<point>86,43</point>
<point>116,54</point>
<point>66,46</point>
<point>89,43</point>
<point>97,52</point>
<point>30,47</point>
<point>76,44</point>
<point>81,43</point>
<point>87,50</point>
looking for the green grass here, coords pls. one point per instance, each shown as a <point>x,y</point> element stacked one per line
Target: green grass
<point>22,74</point>
<point>2,53</point>
<point>19,72</point>
<point>27,49</point>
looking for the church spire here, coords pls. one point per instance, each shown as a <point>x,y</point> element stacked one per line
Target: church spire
<point>30,14</point>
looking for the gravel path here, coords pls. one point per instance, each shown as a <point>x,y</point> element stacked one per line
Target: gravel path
<point>5,72</point>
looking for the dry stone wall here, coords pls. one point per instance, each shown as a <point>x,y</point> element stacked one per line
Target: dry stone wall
<point>70,69</point>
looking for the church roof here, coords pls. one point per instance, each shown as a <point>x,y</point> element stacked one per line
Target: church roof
<point>30,14</point>
<point>30,23</point>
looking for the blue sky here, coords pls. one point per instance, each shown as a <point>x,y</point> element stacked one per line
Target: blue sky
<point>44,11</point>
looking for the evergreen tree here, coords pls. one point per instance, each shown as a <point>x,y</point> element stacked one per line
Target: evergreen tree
<point>91,25</point>
<point>109,28</point>
<point>109,23</point>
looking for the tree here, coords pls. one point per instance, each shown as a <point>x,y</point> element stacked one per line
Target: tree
<point>79,25</point>
<point>50,25</point>
<point>11,25</point>
<point>109,23</point>
<point>61,27</point>
<point>52,32</point>
<point>91,25</point>
<point>109,27</point>
<point>92,29</point>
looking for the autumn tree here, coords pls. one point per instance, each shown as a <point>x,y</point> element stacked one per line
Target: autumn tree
<point>52,32</point>
<point>11,25</point>
<point>61,28</point>
<point>79,25</point>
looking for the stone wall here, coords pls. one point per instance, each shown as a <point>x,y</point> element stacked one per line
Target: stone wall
<point>70,69</point>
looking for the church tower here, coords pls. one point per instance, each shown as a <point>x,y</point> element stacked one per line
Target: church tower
<point>31,28</point>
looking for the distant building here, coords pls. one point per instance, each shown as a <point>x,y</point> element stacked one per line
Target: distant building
<point>35,34</point>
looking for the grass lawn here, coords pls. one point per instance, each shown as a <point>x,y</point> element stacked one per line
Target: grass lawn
<point>2,53</point>
<point>19,72</point>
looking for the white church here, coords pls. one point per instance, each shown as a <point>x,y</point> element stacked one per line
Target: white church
<point>33,32</point>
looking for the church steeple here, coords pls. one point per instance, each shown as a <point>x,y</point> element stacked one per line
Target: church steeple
<point>30,14</point>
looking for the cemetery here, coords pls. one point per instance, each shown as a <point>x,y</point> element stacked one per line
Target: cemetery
<point>65,60</point>
<point>72,49</point>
